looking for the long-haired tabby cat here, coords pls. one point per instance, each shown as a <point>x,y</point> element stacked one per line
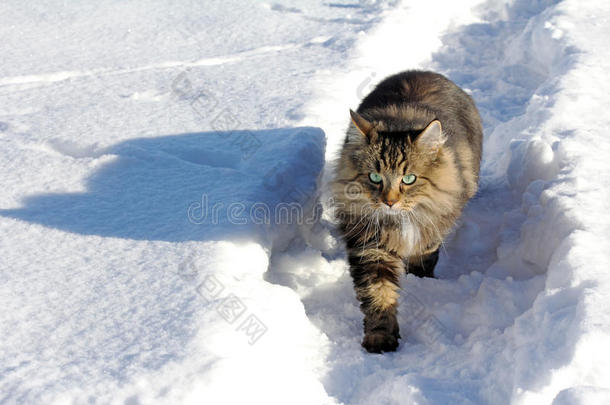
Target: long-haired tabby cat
<point>409,164</point>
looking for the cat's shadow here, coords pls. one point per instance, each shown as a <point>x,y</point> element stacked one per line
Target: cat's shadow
<point>170,188</point>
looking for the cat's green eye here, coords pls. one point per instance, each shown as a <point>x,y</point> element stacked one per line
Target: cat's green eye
<point>375,177</point>
<point>409,178</point>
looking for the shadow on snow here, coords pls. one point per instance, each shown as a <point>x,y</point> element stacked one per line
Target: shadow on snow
<point>195,186</point>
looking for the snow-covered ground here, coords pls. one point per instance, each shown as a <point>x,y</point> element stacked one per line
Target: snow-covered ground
<point>160,236</point>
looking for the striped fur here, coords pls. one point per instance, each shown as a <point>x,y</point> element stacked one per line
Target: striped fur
<point>413,122</point>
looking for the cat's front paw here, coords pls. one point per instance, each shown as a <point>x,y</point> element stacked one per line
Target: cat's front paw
<point>377,342</point>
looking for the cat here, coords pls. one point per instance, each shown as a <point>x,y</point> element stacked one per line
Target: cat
<point>409,164</point>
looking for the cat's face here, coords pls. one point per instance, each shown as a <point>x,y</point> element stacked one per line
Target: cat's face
<point>390,175</point>
<point>395,169</point>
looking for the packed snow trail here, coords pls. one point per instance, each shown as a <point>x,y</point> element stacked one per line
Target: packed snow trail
<point>516,314</point>
<point>127,273</point>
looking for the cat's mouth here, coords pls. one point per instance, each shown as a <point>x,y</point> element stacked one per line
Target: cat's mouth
<point>397,208</point>
<point>393,210</point>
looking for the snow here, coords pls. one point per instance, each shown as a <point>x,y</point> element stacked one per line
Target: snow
<point>161,239</point>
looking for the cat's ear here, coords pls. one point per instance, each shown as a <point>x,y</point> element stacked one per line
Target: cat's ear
<point>432,137</point>
<point>365,127</point>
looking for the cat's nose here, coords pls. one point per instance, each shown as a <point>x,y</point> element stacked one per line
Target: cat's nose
<point>390,197</point>
<point>390,202</point>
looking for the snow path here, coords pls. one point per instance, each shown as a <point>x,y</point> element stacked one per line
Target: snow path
<point>116,271</point>
<point>516,313</point>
